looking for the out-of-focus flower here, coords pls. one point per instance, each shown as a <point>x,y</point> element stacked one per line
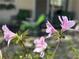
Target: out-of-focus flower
<point>8,35</point>
<point>50,29</point>
<point>40,46</point>
<point>65,23</point>
<point>1,54</point>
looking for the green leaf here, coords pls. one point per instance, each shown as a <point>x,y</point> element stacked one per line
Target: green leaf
<point>40,20</point>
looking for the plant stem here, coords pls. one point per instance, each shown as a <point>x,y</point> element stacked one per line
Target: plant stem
<point>56,49</point>
<point>22,45</point>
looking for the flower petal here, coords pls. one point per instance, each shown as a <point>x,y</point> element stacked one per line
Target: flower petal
<point>71,23</point>
<point>42,54</point>
<point>65,18</point>
<point>60,19</point>
<point>9,42</point>
<point>49,35</point>
<point>37,50</point>
<point>5,28</point>
<point>8,35</point>
<point>50,28</point>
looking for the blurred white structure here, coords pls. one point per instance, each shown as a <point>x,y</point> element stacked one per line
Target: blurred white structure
<point>37,7</point>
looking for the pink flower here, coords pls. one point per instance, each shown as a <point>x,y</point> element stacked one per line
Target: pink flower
<point>65,23</point>
<point>50,29</point>
<point>8,35</point>
<point>40,46</point>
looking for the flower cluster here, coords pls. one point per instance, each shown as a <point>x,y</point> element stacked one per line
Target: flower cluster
<point>40,43</point>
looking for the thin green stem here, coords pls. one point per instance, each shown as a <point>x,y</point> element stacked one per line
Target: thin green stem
<point>22,44</point>
<point>56,49</point>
